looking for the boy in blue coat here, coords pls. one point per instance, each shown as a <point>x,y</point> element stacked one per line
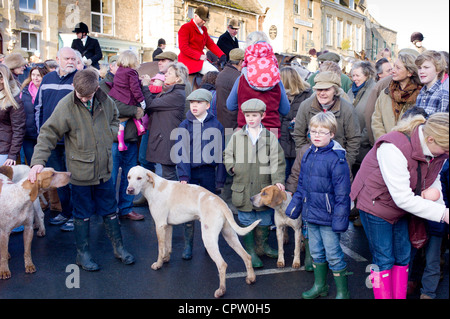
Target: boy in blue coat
<point>200,144</point>
<point>323,198</point>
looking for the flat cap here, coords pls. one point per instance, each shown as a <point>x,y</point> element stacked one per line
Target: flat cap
<point>237,54</point>
<point>253,105</point>
<point>326,79</point>
<point>329,56</point>
<point>200,95</point>
<point>167,55</point>
<point>113,58</point>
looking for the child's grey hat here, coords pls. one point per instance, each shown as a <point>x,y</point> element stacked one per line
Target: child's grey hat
<point>253,105</point>
<point>200,95</point>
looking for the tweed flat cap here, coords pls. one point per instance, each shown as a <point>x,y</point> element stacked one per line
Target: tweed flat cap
<point>326,79</point>
<point>329,56</point>
<point>167,55</point>
<point>253,105</point>
<point>200,95</point>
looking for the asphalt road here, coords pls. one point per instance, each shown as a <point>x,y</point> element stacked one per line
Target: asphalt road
<point>58,278</point>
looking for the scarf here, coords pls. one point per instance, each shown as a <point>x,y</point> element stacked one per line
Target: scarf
<point>262,65</point>
<point>403,97</point>
<point>355,89</point>
<point>32,89</point>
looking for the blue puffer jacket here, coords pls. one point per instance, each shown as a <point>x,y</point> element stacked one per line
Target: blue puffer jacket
<point>323,190</point>
<point>200,144</point>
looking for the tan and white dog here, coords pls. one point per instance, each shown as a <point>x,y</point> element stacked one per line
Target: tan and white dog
<point>173,203</point>
<point>16,173</point>
<point>273,197</point>
<point>16,209</point>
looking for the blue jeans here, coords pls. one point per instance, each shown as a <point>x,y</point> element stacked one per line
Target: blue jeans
<point>432,272</point>
<point>143,153</point>
<point>324,246</point>
<point>28,148</point>
<point>95,199</point>
<point>126,160</point>
<point>247,218</point>
<point>57,161</point>
<point>388,243</point>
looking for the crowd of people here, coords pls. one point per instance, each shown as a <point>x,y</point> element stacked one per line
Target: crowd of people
<point>376,140</point>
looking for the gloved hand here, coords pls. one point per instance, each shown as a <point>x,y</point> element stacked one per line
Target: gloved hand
<point>88,62</point>
<point>222,61</point>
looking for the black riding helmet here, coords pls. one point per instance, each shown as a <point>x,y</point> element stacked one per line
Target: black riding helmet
<point>81,28</point>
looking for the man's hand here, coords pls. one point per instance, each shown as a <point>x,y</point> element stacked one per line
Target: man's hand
<point>34,171</point>
<point>139,113</point>
<point>9,162</point>
<point>280,186</point>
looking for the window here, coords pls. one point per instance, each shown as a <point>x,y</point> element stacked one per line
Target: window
<point>358,39</point>
<point>349,35</point>
<point>295,40</point>
<point>328,32</point>
<point>28,5</point>
<point>29,41</point>
<point>339,32</point>
<point>102,16</point>
<point>310,8</point>
<point>309,36</point>
<point>296,6</point>
<point>190,13</point>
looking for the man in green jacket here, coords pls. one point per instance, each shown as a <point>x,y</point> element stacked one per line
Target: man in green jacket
<point>87,119</point>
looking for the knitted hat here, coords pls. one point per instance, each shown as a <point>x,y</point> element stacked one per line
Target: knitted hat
<point>14,60</point>
<point>159,76</point>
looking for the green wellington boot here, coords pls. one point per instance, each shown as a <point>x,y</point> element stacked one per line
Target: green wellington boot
<point>308,259</point>
<point>249,244</point>
<point>320,287</point>
<point>188,240</point>
<point>262,246</point>
<point>340,278</point>
<point>81,232</point>
<point>112,228</point>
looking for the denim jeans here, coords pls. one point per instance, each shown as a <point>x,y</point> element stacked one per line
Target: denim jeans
<point>57,161</point>
<point>388,243</point>
<point>95,199</point>
<point>247,218</point>
<point>126,160</point>
<point>28,148</point>
<point>324,245</point>
<point>143,153</point>
<point>432,272</point>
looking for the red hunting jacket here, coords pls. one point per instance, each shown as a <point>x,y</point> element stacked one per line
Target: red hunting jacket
<point>191,43</point>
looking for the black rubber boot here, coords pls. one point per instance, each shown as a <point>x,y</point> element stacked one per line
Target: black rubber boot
<point>84,258</point>
<point>112,228</point>
<point>188,240</point>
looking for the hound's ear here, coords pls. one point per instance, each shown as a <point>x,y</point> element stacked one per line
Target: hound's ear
<point>7,171</point>
<point>33,187</point>
<point>278,196</point>
<point>150,179</point>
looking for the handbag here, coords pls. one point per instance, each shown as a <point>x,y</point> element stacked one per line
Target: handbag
<point>417,226</point>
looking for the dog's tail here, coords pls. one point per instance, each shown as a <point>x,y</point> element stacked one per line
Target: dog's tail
<point>241,231</point>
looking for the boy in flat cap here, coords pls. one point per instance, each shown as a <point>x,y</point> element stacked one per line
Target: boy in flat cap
<point>199,152</point>
<point>255,159</point>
